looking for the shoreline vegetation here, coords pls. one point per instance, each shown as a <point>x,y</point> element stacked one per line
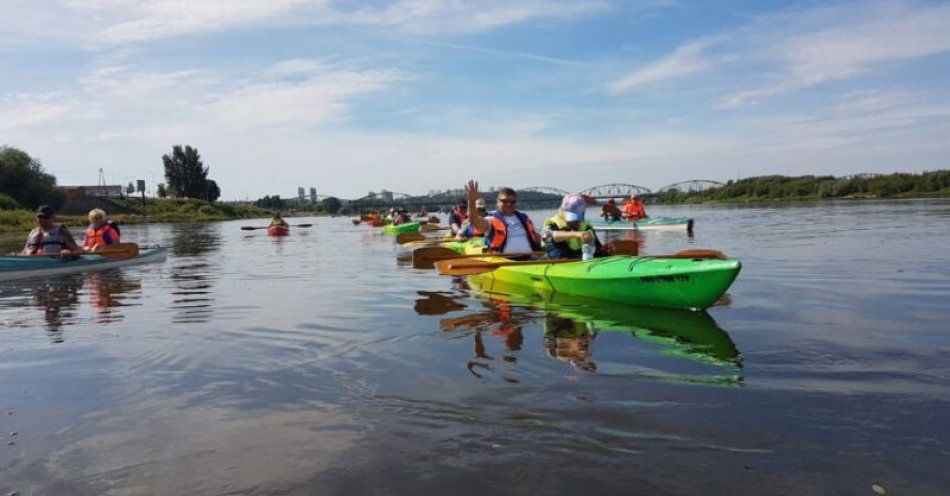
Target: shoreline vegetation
<point>782,189</point>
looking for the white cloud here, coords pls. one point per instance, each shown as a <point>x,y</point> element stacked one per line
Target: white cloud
<point>687,60</point>
<point>840,43</point>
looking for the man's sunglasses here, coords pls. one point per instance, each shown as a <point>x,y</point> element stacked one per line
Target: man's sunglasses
<point>507,202</point>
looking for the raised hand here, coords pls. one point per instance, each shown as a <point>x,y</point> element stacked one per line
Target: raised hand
<point>471,190</point>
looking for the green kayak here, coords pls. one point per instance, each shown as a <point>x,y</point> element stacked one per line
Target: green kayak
<point>694,284</point>
<point>407,227</point>
<point>18,267</point>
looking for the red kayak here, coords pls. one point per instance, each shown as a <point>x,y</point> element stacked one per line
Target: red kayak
<point>278,231</point>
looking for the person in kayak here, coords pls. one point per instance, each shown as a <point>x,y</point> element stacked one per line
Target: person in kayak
<point>633,209</point>
<point>506,230</point>
<point>610,212</point>
<point>277,221</point>
<point>401,217</point>
<point>99,233</point>
<point>469,231</point>
<point>50,237</point>
<point>457,218</point>
<point>565,234</point>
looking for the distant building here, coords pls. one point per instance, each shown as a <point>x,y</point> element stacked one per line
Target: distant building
<point>313,195</point>
<point>300,194</point>
<point>108,191</point>
<point>387,196</point>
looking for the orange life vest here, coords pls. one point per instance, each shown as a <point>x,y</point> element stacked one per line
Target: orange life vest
<point>634,210</point>
<point>99,236</point>
<point>498,234</point>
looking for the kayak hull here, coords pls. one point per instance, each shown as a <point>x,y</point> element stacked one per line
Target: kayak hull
<point>406,227</point>
<point>649,224</point>
<point>278,231</point>
<point>693,284</point>
<point>18,267</point>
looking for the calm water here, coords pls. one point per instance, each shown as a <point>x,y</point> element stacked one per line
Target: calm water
<point>319,364</point>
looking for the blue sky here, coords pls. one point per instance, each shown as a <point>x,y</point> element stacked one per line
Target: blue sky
<point>413,95</point>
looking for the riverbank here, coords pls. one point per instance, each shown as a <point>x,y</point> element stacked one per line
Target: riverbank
<point>686,199</point>
<point>153,211</point>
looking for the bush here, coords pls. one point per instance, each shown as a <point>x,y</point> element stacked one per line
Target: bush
<point>8,203</point>
<point>187,208</point>
<point>206,210</point>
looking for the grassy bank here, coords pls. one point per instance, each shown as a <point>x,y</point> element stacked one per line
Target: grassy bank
<point>783,189</point>
<point>154,210</point>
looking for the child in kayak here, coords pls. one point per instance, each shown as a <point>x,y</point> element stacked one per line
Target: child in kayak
<point>99,233</point>
<point>566,233</point>
<point>49,237</point>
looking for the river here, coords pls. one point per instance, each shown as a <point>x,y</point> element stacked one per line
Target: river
<point>320,364</point>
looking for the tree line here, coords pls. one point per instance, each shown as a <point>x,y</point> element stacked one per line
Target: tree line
<point>778,187</point>
<point>25,184</point>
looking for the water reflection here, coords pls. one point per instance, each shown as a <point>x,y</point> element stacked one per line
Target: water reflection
<point>58,298</point>
<point>570,327</point>
<point>108,291</point>
<point>194,270</point>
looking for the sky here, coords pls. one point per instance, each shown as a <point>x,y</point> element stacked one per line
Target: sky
<point>414,95</point>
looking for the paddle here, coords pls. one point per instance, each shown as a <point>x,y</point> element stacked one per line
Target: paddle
<point>251,228</point>
<point>430,228</point>
<point>117,251</point>
<point>356,222</point>
<point>426,257</point>
<point>404,238</point>
<point>453,268</point>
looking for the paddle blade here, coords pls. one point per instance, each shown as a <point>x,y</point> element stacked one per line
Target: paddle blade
<point>623,247</point>
<point>431,227</point>
<point>452,267</point>
<point>425,258</point>
<point>251,228</point>
<point>303,225</point>
<point>404,238</point>
<point>701,253</point>
<point>356,222</point>
<point>118,251</point>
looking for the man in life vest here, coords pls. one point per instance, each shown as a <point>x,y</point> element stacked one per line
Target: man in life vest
<point>566,233</point>
<point>633,209</point>
<point>99,233</point>
<point>469,231</point>
<point>277,220</point>
<point>49,237</point>
<point>610,212</point>
<point>506,230</point>
<point>457,218</point>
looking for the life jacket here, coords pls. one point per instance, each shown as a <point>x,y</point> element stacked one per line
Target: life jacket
<point>635,210</point>
<point>574,244</point>
<point>458,216</point>
<point>471,232</point>
<point>497,237</point>
<point>99,236</point>
<point>50,242</point>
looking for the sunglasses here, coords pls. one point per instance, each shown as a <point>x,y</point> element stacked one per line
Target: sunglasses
<point>507,201</point>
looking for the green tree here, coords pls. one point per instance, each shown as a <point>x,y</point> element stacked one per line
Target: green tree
<point>212,193</point>
<point>23,179</point>
<point>271,203</point>
<point>185,174</point>
<point>331,204</point>
<point>162,192</point>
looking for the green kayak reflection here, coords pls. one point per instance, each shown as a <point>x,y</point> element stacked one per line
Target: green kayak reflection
<point>571,326</point>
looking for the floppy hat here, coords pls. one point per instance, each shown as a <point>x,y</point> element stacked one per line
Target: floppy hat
<point>573,206</point>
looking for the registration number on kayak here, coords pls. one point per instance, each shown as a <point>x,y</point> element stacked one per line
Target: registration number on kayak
<point>670,278</point>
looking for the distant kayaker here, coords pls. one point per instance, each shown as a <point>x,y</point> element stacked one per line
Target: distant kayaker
<point>469,230</point>
<point>401,217</point>
<point>457,218</point>
<point>565,234</point>
<point>506,230</point>
<point>277,220</point>
<point>633,209</point>
<point>99,233</point>
<point>49,237</point>
<point>610,212</point>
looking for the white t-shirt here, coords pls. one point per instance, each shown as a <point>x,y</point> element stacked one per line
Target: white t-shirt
<point>518,241</point>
